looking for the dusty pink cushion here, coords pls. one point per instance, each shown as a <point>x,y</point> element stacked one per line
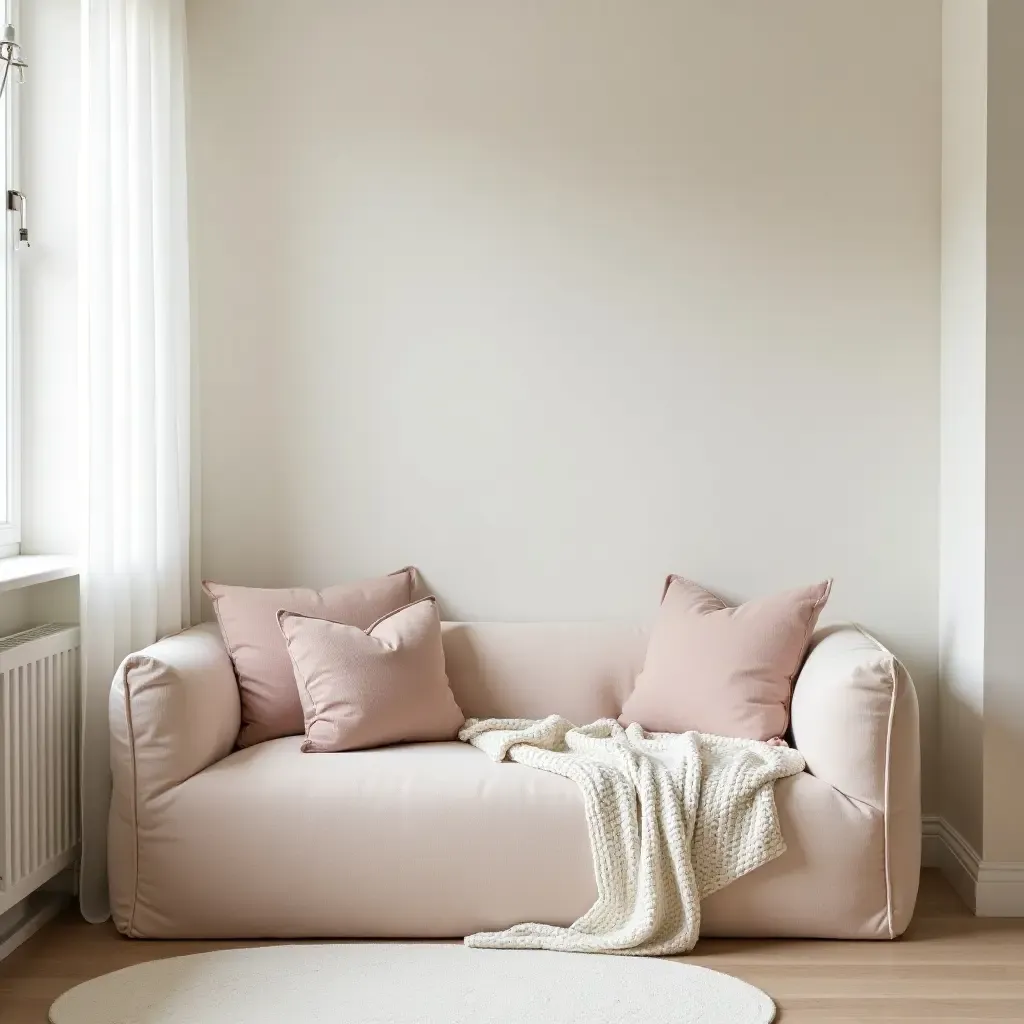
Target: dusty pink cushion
<point>248,624</point>
<point>723,670</point>
<point>370,688</point>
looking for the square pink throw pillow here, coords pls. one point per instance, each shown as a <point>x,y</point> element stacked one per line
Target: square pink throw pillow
<point>369,688</point>
<point>248,624</point>
<point>722,670</point>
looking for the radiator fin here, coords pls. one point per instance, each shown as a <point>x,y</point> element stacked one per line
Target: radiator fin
<point>39,739</point>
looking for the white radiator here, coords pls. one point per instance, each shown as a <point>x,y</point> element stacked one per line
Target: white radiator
<point>39,730</point>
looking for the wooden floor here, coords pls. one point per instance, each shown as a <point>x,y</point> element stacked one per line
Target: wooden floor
<point>950,966</point>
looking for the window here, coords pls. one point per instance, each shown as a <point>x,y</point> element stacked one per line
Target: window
<point>10,258</point>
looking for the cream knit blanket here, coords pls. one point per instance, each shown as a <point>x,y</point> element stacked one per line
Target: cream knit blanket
<point>672,819</point>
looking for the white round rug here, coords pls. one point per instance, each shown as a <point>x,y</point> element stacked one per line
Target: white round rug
<point>385,983</point>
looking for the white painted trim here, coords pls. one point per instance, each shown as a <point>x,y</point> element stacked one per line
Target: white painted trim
<point>930,841</point>
<point>1000,889</point>
<point>944,848</point>
<point>989,888</point>
<point>45,906</point>
<point>27,570</point>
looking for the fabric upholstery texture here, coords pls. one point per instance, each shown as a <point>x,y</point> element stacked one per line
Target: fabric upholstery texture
<point>248,624</point>
<point>361,689</point>
<point>582,671</point>
<point>173,711</point>
<point>436,840</point>
<point>722,670</point>
<point>855,720</point>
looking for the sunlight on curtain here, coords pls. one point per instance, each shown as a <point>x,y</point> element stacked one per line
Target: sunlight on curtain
<point>134,367</point>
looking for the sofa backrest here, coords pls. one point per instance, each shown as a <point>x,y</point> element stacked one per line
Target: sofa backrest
<point>580,670</point>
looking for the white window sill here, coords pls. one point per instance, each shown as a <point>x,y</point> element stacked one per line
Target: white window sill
<point>26,570</point>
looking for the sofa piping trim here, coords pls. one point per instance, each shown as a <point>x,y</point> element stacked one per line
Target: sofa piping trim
<point>804,647</point>
<point>894,677</point>
<point>130,663</point>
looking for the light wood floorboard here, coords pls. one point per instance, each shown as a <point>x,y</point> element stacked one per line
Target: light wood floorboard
<point>950,966</point>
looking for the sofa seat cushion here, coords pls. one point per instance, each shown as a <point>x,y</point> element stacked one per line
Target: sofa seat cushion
<point>436,840</point>
<point>424,840</point>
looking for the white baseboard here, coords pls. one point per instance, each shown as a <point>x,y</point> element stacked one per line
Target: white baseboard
<point>989,888</point>
<point>944,848</point>
<point>40,908</point>
<point>1000,890</point>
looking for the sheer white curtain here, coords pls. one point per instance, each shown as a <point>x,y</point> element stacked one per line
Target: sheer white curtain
<point>134,367</point>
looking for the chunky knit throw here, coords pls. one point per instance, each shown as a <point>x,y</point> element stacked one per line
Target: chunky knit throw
<point>672,819</point>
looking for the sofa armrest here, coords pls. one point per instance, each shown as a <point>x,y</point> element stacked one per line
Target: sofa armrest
<point>174,710</point>
<point>855,720</point>
<point>854,716</point>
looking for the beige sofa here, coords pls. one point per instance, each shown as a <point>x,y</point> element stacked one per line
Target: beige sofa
<point>436,840</point>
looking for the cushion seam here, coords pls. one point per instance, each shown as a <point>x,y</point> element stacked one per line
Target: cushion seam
<point>299,675</point>
<point>886,776</point>
<point>809,625</point>
<point>885,802</point>
<point>129,664</point>
<point>413,573</point>
<point>215,601</point>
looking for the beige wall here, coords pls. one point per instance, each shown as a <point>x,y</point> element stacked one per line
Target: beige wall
<point>1004,526</point>
<point>963,366</point>
<point>554,299</point>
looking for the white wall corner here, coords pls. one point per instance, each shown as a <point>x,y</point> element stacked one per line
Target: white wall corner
<point>989,888</point>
